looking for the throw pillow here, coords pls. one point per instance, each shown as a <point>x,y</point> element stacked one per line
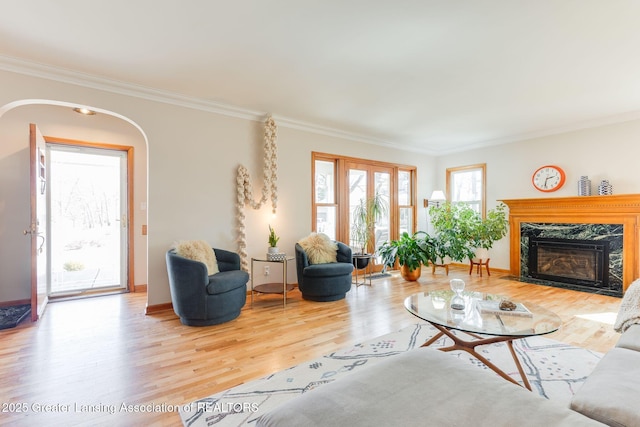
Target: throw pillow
<point>199,250</point>
<point>320,248</point>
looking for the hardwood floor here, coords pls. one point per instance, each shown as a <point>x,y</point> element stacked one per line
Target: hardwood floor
<point>104,351</point>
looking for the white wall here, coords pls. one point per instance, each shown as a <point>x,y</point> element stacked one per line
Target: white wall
<point>608,152</point>
<point>193,156</point>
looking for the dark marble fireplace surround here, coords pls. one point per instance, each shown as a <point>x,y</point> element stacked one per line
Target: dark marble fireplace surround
<point>612,233</point>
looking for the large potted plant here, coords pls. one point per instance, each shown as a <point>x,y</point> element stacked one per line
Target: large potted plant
<point>411,252</point>
<point>453,225</point>
<point>489,230</point>
<point>464,231</point>
<point>364,218</point>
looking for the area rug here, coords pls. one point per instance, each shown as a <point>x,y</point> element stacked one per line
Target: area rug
<point>11,316</point>
<point>555,370</point>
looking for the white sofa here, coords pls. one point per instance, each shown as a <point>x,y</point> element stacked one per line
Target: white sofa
<point>428,387</point>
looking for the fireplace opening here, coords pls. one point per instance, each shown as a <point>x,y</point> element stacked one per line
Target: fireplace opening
<point>578,262</point>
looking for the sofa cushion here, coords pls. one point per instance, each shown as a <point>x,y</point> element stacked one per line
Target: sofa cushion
<point>320,249</point>
<point>225,281</point>
<point>198,250</point>
<point>422,387</point>
<point>610,393</point>
<point>630,339</point>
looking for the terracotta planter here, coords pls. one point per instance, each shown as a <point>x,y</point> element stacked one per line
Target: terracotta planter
<point>410,276</point>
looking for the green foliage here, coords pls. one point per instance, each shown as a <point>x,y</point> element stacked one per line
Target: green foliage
<point>365,216</point>
<point>494,227</point>
<point>273,239</point>
<point>460,229</point>
<point>409,250</point>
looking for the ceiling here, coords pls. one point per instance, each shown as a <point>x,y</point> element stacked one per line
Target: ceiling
<point>428,76</point>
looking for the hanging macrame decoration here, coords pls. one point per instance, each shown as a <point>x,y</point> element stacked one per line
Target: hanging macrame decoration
<point>269,186</point>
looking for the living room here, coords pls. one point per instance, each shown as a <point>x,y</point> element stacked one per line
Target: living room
<point>189,150</point>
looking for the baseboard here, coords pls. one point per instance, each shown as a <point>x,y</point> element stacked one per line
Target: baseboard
<point>140,288</point>
<point>157,308</point>
<point>16,302</point>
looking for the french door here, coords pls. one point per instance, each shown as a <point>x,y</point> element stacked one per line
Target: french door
<point>365,182</point>
<point>88,219</point>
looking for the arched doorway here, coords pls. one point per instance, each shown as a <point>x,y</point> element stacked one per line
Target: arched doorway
<point>57,119</point>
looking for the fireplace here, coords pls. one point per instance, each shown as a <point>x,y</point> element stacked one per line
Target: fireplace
<point>573,261</point>
<point>612,218</point>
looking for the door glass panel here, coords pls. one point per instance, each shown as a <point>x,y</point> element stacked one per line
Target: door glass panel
<point>404,188</point>
<point>406,220</point>
<point>383,225</point>
<point>357,196</point>
<point>325,182</point>
<point>326,221</point>
<point>87,228</point>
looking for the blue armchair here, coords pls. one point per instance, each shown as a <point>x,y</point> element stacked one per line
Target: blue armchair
<point>324,282</point>
<point>202,300</point>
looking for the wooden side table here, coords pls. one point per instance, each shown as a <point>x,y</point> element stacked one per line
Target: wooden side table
<point>479,263</point>
<point>445,266</point>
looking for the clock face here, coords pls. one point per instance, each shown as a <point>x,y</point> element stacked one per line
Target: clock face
<point>548,178</point>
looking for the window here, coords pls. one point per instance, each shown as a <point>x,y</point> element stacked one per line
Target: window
<point>340,184</point>
<point>325,197</point>
<point>466,184</point>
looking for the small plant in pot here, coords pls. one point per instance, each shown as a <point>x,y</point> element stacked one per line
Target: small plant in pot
<point>411,252</point>
<point>273,241</point>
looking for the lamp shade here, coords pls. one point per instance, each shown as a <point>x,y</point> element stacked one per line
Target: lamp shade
<point>437,196</point>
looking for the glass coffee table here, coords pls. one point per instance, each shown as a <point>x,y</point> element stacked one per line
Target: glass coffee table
<point>486,326</point>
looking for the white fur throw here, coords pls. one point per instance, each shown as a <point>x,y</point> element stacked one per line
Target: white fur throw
<point>320,248</point>
<point>198,250</point>
<point>629,312</point>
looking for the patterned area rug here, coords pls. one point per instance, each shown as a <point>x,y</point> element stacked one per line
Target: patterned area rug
<point>555,370</point>
<point>11,316</point>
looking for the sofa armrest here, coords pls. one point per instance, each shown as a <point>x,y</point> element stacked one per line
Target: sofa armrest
<point>630,339</point>
<point>610,393</point>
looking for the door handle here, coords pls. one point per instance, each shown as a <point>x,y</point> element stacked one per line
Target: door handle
<point>40,236</point>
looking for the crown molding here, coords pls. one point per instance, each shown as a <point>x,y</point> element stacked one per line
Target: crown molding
<point>63,75</point>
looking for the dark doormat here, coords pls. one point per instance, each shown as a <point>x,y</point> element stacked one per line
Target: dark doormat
<point>11,316</point>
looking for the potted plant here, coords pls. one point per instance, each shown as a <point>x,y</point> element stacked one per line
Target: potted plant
<point>464,230</point>
<point>489,230</point>
<point>411,251</point>
<point>273,241</point>
<point>364,218</point>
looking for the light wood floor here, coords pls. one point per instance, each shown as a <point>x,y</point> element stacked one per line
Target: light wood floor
<point>105,351</point>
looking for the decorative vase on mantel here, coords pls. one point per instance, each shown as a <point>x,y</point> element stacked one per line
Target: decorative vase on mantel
<point>584,186</point>
<point>605,188</point>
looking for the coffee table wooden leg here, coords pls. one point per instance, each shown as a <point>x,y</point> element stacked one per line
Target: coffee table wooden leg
<point>469,347</point>
<point>525,380</point>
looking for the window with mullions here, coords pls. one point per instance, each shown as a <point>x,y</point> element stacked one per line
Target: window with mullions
<point>466,184</point>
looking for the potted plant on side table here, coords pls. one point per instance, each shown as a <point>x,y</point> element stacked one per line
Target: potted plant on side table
<point>411,252</point>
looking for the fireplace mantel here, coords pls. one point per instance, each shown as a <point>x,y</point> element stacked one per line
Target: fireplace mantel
<point>616,209</point>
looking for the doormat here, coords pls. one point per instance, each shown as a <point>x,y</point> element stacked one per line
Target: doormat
<point>11,316</point>
<point>380,275</point>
